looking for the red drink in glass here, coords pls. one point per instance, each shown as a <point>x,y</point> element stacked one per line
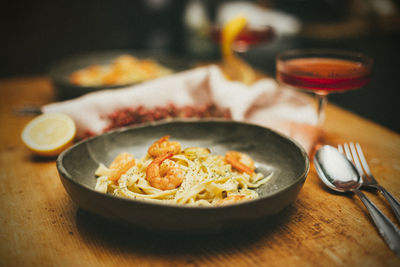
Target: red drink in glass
<point>323,74</point>
<point>323,71</point>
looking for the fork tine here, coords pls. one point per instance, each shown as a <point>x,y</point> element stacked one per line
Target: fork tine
<point>363,160</point>
<point>347,151</point>
<point>340,148</point>
<point>356,159</point>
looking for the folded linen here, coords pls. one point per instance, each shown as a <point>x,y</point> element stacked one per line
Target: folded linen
<point>263,103</point>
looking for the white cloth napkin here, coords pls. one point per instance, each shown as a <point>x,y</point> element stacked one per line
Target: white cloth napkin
<point>263,103</point>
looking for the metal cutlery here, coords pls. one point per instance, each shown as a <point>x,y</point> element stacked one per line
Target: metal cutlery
<point>355,154</point>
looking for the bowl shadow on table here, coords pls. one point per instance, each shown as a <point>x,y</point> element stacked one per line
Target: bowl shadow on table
<point>119,237</point>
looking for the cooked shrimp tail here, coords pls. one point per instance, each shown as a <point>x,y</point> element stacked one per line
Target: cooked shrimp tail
<point>120,165</point>
<point>164,146</point>
<point>164,175</point>
<point>240,162</point>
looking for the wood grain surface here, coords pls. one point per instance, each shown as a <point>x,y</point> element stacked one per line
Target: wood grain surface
<point>41,226</point>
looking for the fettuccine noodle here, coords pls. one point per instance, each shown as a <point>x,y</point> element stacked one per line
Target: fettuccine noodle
<point>192,176</point>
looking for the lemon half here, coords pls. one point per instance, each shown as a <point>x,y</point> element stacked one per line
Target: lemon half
<point>49,134</point>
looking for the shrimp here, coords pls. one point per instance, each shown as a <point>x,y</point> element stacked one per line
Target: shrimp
<point>240,161</point>
<point>164,174</point>
<point>163,146</point>
<point>232,199</point>
<point>120,165</point>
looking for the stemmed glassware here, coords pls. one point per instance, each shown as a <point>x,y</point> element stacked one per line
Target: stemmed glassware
<point>323,71</point>
<point>237,36</point>
<point>248,36</point>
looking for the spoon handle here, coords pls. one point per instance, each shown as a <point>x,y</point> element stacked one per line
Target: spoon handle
<point>389,232</point>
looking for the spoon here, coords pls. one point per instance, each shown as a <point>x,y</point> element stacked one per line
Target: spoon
<point>339,174</point>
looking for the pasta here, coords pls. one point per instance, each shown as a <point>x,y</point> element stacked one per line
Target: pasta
<point>192,176</point>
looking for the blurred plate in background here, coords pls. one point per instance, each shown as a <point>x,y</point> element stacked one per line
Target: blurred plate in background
<point>60,72</point>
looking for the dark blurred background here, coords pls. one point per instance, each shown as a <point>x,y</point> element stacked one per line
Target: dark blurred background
<point>36,34</point>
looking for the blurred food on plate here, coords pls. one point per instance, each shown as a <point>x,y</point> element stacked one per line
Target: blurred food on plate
<point>79,74</point>
<point>125,69</point>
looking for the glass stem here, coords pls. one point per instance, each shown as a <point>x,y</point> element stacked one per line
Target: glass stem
<point>322,100</point>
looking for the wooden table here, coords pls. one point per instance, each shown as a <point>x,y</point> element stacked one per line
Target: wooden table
<point>41,226</point>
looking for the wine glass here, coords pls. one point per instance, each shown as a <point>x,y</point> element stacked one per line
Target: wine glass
<point>323,71</point>
<point>235,36</point>
<point>249,36</point>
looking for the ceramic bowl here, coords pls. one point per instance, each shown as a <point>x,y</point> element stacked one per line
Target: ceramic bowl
<point>271,151</point>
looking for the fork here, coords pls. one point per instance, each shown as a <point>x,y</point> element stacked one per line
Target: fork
<point>354,153</point>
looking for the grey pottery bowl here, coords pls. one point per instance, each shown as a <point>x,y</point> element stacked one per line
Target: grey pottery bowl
<point>271,151</point>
